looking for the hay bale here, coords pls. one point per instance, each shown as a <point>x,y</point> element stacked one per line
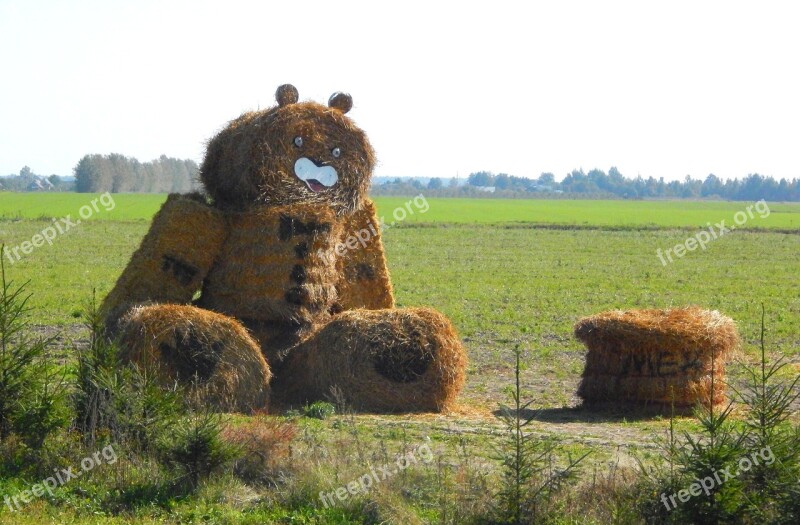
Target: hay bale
<point>408,360</point>
<point>656,357</point>
<point>210,353</point>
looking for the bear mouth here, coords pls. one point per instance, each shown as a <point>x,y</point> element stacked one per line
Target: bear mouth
<point>316,178</point>
<point>314,185</point>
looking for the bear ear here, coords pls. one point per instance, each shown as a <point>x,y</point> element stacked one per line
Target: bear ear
<point>341,101</point>
<point>286,94</point>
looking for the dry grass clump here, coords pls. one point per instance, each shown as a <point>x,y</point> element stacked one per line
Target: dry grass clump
<point>662,357</point>
<point>210,352</point>
<point>264,446</point>
<point>408,360</point>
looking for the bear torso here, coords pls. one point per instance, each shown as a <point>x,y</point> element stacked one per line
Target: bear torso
<point>276,272</point>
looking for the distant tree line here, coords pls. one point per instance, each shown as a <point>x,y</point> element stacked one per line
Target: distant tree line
<point>752,187</point>
<point>117,173</point>
<point>599,184</point>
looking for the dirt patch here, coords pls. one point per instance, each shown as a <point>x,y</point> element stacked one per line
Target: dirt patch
<point>64,340</point>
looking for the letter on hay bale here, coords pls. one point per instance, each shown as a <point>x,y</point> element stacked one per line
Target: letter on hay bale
<point>381,360</point>
<point>656,357</point>
<point>210,352</point>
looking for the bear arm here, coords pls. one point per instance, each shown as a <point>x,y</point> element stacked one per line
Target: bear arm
<point>363,276</point>
<point>173,259</point>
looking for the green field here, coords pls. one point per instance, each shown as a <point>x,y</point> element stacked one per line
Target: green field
<point>582,213</point>
<point>503,279</point>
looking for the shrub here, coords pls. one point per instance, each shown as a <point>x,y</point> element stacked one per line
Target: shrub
<point>92,398</point>
<point>319,410</point>
<point>194,449</point>
<point>529,476</point>
<point>120,401</point>
<point>31,394</point>
<point>771,487</point>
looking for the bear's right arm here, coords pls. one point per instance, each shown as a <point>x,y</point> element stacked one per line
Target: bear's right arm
<point>175,256</point>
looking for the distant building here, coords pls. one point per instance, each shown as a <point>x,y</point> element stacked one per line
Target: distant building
<point>40,184</point>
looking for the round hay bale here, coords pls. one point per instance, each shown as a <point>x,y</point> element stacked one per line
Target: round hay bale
<point>213,355</point>
<point>408,360</point>
<point>656,356</point>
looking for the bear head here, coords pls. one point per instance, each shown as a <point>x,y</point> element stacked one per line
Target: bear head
<point>295,152</point>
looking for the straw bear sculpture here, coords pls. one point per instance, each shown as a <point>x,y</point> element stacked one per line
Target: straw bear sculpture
<point>248,294</point>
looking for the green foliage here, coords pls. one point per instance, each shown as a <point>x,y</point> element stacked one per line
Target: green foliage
<point>435,184</point>
<point>319,410</point>
<point>31,392</point>
<point>718,449</point>
<point>772,487</point>
<point>45,410</point>
<point>92,398</point>
<point>120,401</point>
<point>194,448</point>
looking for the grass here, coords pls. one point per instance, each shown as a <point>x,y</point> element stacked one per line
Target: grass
<point>503,281</point>
<point>127,206</point>
<point>581,213</point>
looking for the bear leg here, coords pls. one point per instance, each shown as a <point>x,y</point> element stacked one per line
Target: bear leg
<point>209,352</point>
<point>406,360</point>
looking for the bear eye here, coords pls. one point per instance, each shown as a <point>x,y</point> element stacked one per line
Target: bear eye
<point>336,152</point>
<point>298,141</point>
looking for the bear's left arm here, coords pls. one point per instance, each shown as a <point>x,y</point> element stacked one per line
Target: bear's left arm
<point>173,258</point>
<point>363,276</point>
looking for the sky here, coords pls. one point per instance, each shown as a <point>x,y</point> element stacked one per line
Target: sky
<point>443,89</point>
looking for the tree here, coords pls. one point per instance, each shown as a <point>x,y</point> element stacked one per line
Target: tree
<point>502,181</point>
<point>117,173</point>
<point>547,179</point>
<point>435,184</point>
<point>691,188</point>
<point>481,178</point>
<point>711,186</point>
